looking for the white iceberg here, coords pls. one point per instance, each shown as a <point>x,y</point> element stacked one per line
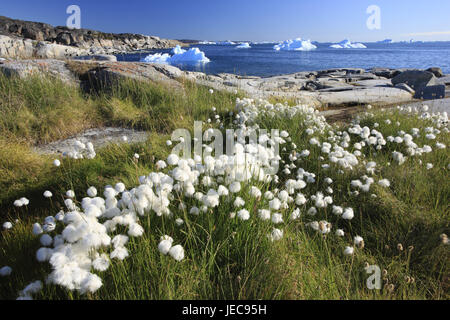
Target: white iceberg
<point>386,41</point>
<point>296,45</point>
<point>244,45</point>
<point>347,44</point>
<point>193,55</point>
<point>178,50</point>
<point>226,43</point>
<point>206,42</point>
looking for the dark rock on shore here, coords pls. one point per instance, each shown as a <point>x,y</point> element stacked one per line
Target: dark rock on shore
<point>436,71</point>
<point>415,79</point>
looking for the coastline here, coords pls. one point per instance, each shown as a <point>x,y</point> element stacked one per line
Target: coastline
<point>322,89</point>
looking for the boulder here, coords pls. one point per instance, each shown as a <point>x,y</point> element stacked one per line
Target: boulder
<point>99,57</point>
<point>385,72</point>
<point>431,92</point>
<point>25,68</point>
<point>436,71</point>
<point>374,95</point>
<point>415,79</point>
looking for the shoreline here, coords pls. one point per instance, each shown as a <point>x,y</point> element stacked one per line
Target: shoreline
<point>336,87</point>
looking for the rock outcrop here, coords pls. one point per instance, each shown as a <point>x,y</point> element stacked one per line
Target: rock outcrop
<point>27,39</point>
<point>335,87</point>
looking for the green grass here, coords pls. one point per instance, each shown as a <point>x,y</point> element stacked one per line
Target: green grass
<point>225,259</point>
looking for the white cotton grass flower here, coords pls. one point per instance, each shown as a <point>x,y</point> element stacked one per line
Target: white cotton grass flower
<point>239,202</point>
<point>30,289</point>
<point>295,214</point>
<point>43,254</point>
<point>119,253</point>
<point>276,234</point>
<point>165,244</point>
<point>92,192</point>
<point>37,229</point>
<point>119,187</point>
<point>5,271</point>
<point>358,241</point>
<point>312,211</point>
<point>264,214</point>
<point>384,183</point>
<point>101,263</point>
<point>348,214</point>
<point>177,252</point>
<point>235,187</point>
<point>255,192</point>
<point>222,191</point>
<point>135,230</point>
<point>340,232</point>
<point>46,240</point>
<point>70,194</point>
<point>160,165</point>
<point>47,194</point>
<point>179,222</point>
<point>195,211</point>
<point>277,218</point>
<point>136,156</point>
<point>243,214</point>
<point>173,159</point>
<point>7,225</point>
<point>429,166</point>
<point>348,251</point>
<point>275,204</point>
<point>56,163</point>
<point>119,240</point>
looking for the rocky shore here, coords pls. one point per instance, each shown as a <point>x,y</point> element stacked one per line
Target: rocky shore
<point>26,39</point>
<point>326,88</point>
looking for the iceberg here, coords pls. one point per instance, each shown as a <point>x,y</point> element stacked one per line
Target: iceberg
<point>244,45</point>
<point>193,55</point>
<point>226,43</point>
<point>296,45</point>
<point>178,50</point>
<point>347,44</point>
<point>386,41</point>
<point>206,42</point>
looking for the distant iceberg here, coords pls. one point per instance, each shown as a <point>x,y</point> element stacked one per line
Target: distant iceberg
<point>244,45</point>
<point>347,44</point>
<point>296,45</point>
<point>226,43</point>
<point>206,42</point>
<point>193,55</point>
<point>386,41</point>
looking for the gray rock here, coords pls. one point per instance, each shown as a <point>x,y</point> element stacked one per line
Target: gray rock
<point>99,57</point>
<point>444,80</point>
<point>431,92</point>
<point>436,71</point>
<point>404,86</point>
<point>385,72</point>
<point>99,137</point>
<point>375,95</point>
<point>415,79</point>
<point>25,68</point>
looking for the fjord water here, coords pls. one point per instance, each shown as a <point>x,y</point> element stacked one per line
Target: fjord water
<point>263,60</point>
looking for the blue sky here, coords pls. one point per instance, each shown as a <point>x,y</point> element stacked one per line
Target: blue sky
<point>257,20</point>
